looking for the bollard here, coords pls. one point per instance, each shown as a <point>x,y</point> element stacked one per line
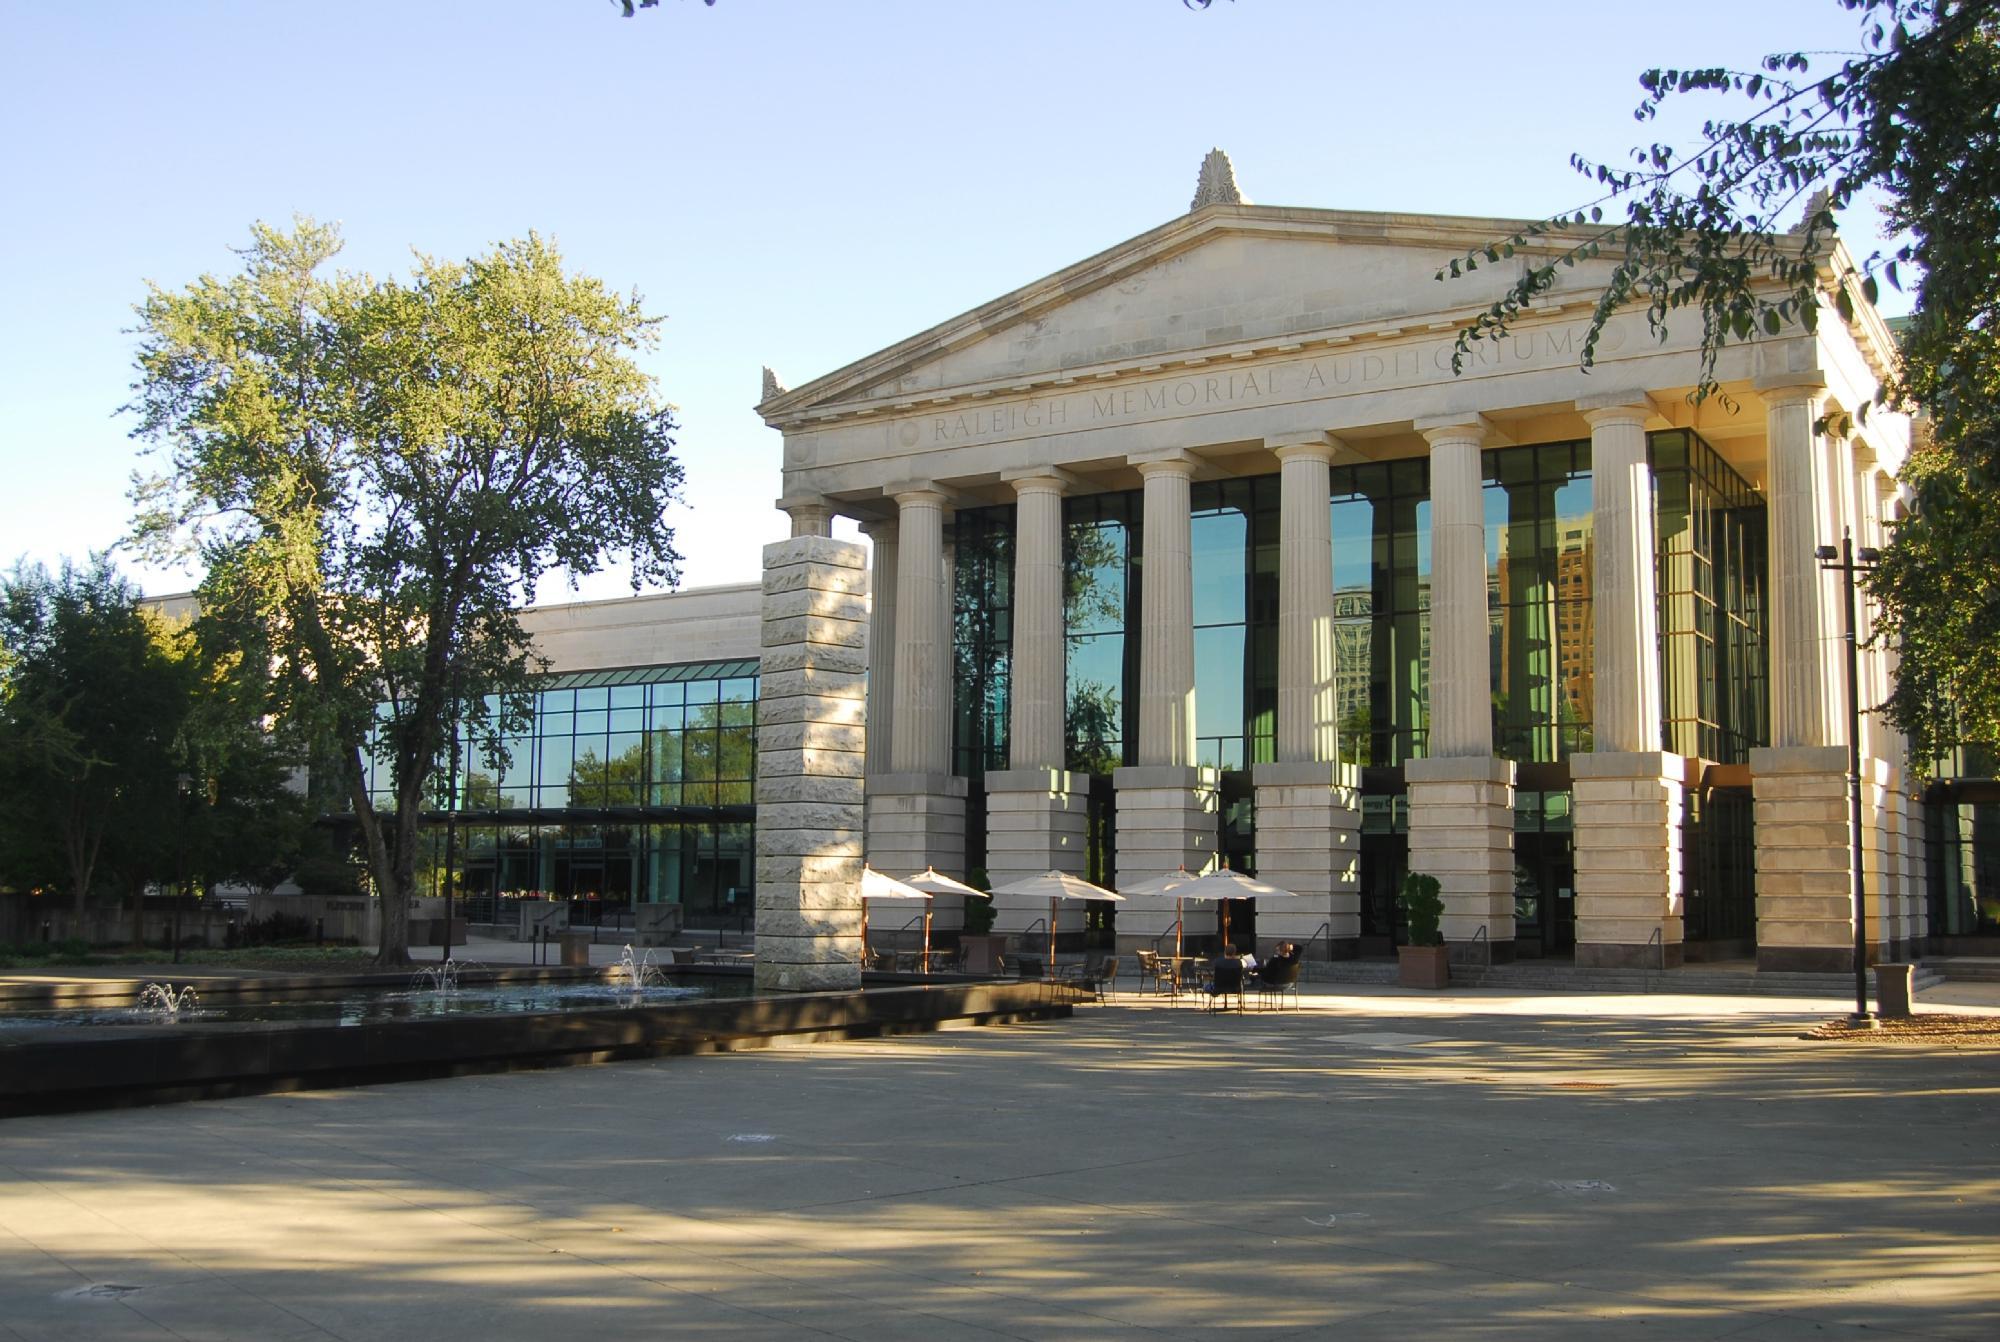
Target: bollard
<point>319,932</point>
<point>1893,990</point>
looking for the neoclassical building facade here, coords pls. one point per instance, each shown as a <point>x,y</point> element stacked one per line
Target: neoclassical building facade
<point>1200,550</point>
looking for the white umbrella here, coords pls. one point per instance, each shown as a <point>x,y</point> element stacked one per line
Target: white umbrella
<point>1226,884</point>
<point>1168,884</point>
<point>875,885</point>
<point>932,881</point>
<point>1053,886</point>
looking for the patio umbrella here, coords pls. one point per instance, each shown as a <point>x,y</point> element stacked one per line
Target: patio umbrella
<point>931,882</point>
<point>1053,886</point>
<point>1165,885</point>
<point>875,885</point>
<point>1226,884</point>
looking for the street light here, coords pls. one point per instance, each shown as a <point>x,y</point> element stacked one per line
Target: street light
<point>183,784</point>
<point>1847,561</point>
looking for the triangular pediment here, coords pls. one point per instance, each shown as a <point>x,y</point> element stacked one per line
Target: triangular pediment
<point>1222,279</point>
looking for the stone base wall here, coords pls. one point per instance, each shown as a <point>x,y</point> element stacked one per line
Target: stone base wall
<point>917,821</point>
<point>1882,860</point>
<point>1630,894</point>
<point>1036,822</point>
<point>1805,894</point>
<point>1462,832</point>
<point>1309,842</point>
<point>1916,873</point>
<point>811,740</point>
<point>1166,819</point>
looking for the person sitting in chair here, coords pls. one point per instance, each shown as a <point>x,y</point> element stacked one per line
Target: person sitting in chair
<point>1225,976</point>
<point>1279,966</point>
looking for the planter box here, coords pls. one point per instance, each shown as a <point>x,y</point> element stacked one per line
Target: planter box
<point>1422,967</point>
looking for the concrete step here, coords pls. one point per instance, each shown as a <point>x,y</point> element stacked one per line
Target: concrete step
<point>1534,976</point>
<point>1964,969</point>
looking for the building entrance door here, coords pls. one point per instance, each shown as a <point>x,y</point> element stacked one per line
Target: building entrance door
<point>1544,894</point>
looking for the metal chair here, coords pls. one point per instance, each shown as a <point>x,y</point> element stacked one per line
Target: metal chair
<point>1277,982</point>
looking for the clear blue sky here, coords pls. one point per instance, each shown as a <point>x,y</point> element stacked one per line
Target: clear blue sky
<point>791,182</point>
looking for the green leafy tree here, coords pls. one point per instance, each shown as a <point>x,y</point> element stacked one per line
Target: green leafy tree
<point>376,474</point>
<point>1699,235</point>
<point>93,698</point>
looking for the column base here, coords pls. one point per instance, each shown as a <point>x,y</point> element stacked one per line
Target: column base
<point>1805,882</point>
<point>1462,832</point>
<point>917,821</point>
<point>1166,819</point>
<point>1629,890</point>
<point>1309,842</point>
<point>1035,823</point>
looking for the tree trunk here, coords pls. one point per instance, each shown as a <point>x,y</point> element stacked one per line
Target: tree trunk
<point>395,946</point>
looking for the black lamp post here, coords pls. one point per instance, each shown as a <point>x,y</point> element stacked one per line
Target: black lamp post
<point>1847,561</point>
<point>183,784</point>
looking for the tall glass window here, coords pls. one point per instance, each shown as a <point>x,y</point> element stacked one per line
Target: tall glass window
<point>1099,604</point>
<point>1538,596</point>
<point>1233,530</point>
<point>1711,570</point>
<point>1381,609</point>
<point>982,639</point>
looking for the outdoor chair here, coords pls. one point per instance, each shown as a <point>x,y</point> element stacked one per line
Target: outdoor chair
<point>1280,981</point>
<point>1100,980</point>
<point>1227,982</point>
<point>1150,971</point>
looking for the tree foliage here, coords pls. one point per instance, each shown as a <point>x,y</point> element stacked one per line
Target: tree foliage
<point>376,475</point>
<point>1701,235</point>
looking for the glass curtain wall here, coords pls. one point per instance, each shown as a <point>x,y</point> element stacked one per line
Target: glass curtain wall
<point>1538,595</point>
<point>982,642</point>
<point>617,787</point>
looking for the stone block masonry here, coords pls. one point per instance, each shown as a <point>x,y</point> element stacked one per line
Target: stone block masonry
<point>810,747</point>
<point>1462,832</point>
<point>1629,893</point>
<point>1805,890</point>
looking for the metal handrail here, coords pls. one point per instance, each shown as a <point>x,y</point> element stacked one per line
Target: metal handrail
<point>1305,951</point>
<point>1657,939</point>
<point>1479,938</point>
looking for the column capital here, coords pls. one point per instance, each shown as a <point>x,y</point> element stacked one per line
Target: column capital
<point>880,529</point>
<point>918,494</point>
<point>1316,445</point>
<point>1616,407</point>
<point>1466,426</point>
<point>1040,479</point>
<point>1791,388</point>
<point>1169,461</point>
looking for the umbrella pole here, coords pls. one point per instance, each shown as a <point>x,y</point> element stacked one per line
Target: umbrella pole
<point>864,934</point>
<point>1052,937</point>
<point>927,938</point>
<point>1177,927</point>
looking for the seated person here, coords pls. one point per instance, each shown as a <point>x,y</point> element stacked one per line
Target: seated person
<point>1225,973</point>
<point>1275,969</point>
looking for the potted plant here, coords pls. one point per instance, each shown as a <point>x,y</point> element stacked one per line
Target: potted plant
<point>1422,963</point>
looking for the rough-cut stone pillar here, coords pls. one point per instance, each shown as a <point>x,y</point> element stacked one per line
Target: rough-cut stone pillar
<point>1805,895</point>
<point>1462,796</point>
<point>1308,805</point>
<point>1036,809</point>
<point>810,752</point>
<point>916,810</point>
<point>1627,794</point>
<point>1166,806</point>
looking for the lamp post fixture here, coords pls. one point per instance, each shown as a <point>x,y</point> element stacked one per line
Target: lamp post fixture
<point>1847,561</point>
<point>183,784</point>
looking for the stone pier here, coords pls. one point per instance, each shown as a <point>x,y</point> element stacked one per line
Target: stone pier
<point>811,744</point>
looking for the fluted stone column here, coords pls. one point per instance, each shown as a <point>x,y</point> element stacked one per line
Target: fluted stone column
<point>810,747</point>
<point>1166,805</point>
<point>1805,898</point>
<point>1308,804</point>
<point>881,644</point>
<point>1461,796</point>
<point>1035,808</point>
<point>916,810</point>
<point>1627,794</point>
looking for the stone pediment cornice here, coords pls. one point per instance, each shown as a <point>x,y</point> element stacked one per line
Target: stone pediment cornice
<point>858,390</point>
<point>1445,236</point>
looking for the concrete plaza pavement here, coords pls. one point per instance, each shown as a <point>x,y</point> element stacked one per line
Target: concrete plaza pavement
<point>1377,1165</point>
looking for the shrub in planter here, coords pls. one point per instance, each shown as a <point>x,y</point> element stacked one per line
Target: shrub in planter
<point>1422,963</point>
